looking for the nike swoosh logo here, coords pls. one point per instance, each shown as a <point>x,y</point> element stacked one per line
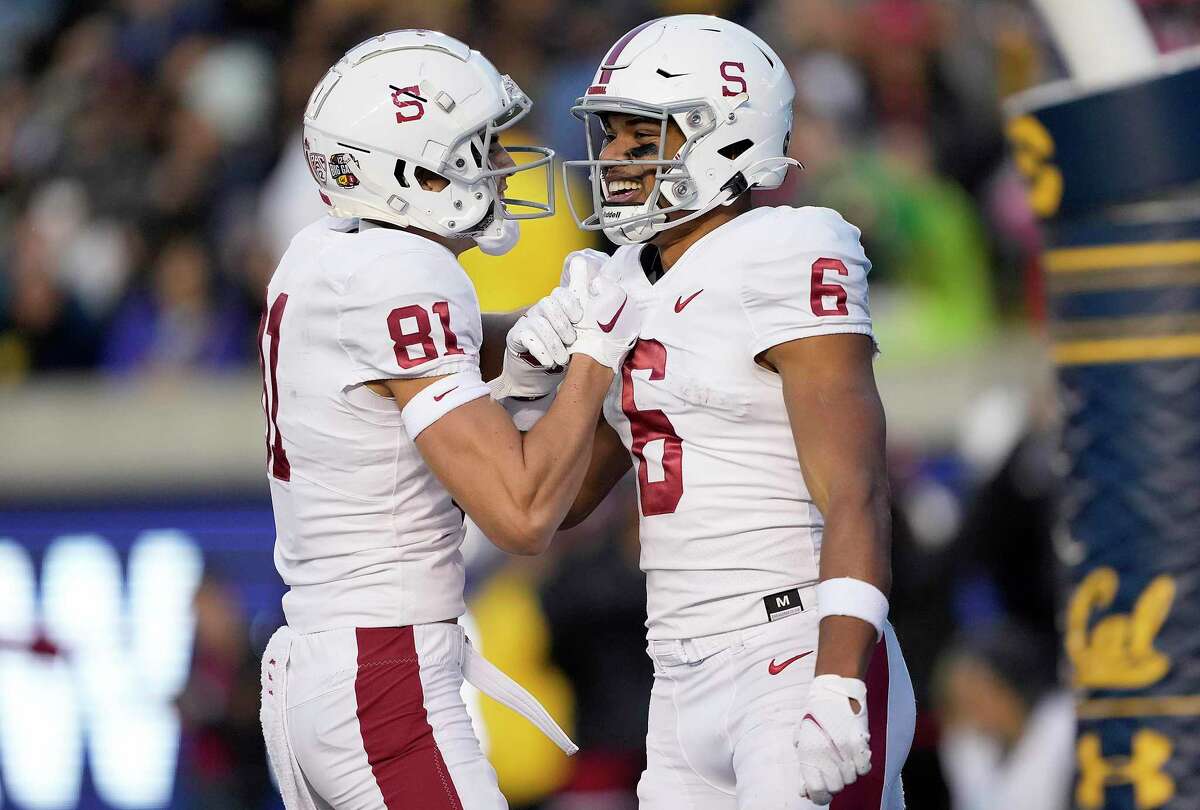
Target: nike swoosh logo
<point>680,303</point>
<point>608,327</point>
<point>775,669</point>
<point>438,397</point>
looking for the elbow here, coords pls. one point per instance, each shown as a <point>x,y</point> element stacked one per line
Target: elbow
<point>524,536</point>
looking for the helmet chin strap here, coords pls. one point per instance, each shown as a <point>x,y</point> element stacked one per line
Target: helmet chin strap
<point>499,237</point>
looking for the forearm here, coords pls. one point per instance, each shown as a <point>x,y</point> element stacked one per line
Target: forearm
<point>517,487</point>
<point>838,423</point>
<point>556,452</point>
<point>609,462</point>
<point>856,544</point>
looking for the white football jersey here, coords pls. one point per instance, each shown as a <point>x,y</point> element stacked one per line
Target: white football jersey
<point>366,536</point>
<point>726,517</point>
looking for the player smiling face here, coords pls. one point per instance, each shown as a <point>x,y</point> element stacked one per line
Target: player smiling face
<point>633,137</point>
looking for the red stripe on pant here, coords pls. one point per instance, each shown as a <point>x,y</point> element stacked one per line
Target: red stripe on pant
<point>867,792</point>
<point>404,757</point>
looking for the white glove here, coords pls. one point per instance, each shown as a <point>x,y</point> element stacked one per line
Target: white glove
<point>832,741</point>
<point>593,258</point>
<point>610,323</point>
<point>536,347</point>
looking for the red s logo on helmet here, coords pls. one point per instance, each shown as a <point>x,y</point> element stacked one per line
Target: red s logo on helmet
<point>411,107</point>
<point>735,79</point>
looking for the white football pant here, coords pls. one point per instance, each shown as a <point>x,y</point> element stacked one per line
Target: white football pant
<point>724,709</point>
<point>373,719</point>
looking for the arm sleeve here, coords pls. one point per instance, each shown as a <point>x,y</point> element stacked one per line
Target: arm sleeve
<point>809,278</point>
<point>410,316</point>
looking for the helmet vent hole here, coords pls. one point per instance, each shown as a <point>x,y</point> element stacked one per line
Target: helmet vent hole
<point>734,150</point>
<point>475,153</point>
<point>430,181</point>
<point>770,61</point>
<point>400,178</point>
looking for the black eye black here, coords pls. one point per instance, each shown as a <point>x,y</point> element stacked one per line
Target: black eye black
<point>645,150</point>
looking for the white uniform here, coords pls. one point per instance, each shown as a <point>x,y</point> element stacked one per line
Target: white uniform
<point>361,703</point>
<point>730,536</point>
<point>366,536</point>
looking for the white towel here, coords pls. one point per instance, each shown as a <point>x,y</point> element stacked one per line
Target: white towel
<point>295,790</point>
<point>489,679</point>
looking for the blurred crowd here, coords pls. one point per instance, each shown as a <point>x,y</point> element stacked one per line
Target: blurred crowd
<point>148,152</point>
<point>150,176</point>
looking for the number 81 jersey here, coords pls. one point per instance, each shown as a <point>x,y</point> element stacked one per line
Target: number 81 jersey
<point>366,536</point>
<point>726,517</point>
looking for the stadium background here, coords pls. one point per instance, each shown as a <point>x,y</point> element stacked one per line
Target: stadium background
<point>150,175</point>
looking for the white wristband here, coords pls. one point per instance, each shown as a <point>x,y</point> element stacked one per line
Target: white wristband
<point>846,596</point>
<point>438,399</point>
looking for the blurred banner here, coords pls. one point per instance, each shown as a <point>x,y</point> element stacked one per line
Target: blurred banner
<point>1113,173</point>
<point>124,631</point>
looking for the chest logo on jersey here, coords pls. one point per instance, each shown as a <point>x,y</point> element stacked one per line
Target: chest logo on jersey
<point>682,302</point>
<point>784,603</point>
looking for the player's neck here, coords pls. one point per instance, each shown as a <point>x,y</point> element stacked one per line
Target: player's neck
<point>455,246</point>
<point>674,242</point>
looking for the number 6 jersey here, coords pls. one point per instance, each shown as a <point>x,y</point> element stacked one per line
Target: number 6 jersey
<point>726,517</point>
<point>366,536</point>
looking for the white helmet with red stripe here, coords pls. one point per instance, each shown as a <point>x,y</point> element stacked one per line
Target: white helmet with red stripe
<point>726,90</point>
<point>420,99</point>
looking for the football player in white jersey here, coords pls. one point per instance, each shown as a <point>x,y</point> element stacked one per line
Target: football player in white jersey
<point>379,428</point>
<point>749,408</point>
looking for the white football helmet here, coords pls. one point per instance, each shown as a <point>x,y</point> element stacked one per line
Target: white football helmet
<point>420,98</point>
<point>726,90</point>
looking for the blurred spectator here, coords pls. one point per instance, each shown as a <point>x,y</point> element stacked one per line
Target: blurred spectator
<point>1007,723</point>
<point>514,635</point>
<point>180,322</point>
<point>223,763</point>
<point>1006,565</point>
<point>44,326</point>
<point>132,120</point>
<point>595,604</point>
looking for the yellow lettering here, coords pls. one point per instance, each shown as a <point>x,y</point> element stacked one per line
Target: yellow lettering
<point>1033,148</point>
<point>1118,652</point>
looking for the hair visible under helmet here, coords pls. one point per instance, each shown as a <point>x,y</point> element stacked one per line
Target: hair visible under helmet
<point>726,90</point>
<point>409,99</point>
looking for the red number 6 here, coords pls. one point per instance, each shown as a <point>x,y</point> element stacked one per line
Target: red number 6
<point>822,289</point>
<point>658,497</point>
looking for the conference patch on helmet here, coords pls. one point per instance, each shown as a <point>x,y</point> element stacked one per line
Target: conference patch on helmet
<point>343,165</point>
<point>316,165</point>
